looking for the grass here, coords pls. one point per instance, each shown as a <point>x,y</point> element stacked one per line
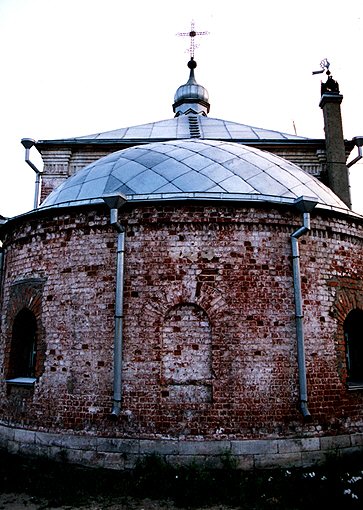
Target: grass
<point>337,484</point>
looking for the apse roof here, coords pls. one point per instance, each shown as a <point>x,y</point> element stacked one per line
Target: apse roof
<point>192,170</point>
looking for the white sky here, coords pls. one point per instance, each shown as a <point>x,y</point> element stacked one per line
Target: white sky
<point>76,67</point>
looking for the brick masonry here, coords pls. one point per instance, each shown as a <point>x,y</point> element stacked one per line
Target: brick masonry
<point>209,354</point>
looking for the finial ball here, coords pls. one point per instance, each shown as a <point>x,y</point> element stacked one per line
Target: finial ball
<point>192,63</point>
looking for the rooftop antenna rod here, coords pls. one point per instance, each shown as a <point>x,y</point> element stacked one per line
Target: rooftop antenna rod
<point>192,34</point>
<point>294,126</point>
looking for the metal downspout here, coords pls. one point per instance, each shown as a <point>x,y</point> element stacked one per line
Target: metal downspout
<point>28,144</point>
<point>302,204</point>
<point>2,259</point>
<point>119,300</point>
<point>114,202</point>
<point>37,189</point>
<point>358,140</point>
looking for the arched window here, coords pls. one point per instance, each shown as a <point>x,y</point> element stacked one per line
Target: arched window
<point>23,345</point>
<point>353,333</point>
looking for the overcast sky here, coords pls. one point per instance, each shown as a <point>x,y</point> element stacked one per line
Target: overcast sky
<point>76,67</point>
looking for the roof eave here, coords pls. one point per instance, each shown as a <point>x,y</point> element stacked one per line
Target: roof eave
<point>270,142</point>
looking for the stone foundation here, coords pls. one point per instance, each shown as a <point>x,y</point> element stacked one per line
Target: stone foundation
<point>122,454</point>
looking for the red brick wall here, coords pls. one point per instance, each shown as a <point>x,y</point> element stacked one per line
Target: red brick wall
<point>209,329</point>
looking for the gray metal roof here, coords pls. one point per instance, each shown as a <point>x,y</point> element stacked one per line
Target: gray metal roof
<point>179,128</point>
<point>192,169</point>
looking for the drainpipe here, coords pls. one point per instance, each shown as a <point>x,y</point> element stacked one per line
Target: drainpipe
<point>305,205</point>
<point>2,258</point>
<point>358,141</point>
<point>115,202</point>
<point>28,144</point>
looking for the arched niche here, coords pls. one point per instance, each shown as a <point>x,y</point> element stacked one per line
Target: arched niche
<point>23,351</point>
<point>353,335</point>
<point>186,361</point>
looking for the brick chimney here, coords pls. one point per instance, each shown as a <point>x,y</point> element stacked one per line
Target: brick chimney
<point>337,171</point>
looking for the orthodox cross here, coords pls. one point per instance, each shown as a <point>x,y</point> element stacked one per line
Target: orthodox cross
<point>192,34</point>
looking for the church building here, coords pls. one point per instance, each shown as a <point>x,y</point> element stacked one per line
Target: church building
<point>189,287</point>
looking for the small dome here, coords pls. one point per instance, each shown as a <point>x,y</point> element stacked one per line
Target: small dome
<point>191,91</point>
<point>192,170</point>
<point>191,97</point>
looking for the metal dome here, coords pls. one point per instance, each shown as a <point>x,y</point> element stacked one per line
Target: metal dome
<point>192,170</point>
<point>191,90</point>
<point>191,97</point>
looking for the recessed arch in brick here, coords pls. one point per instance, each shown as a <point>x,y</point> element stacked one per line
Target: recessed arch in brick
<point>186,354</point>
<point>207,297</point>
<point>25,295</point>
<point>347,298</point>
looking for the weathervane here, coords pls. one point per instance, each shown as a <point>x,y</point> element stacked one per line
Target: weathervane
<point>192,34</point>
<point>330,86</point>
<point>324,64</point>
